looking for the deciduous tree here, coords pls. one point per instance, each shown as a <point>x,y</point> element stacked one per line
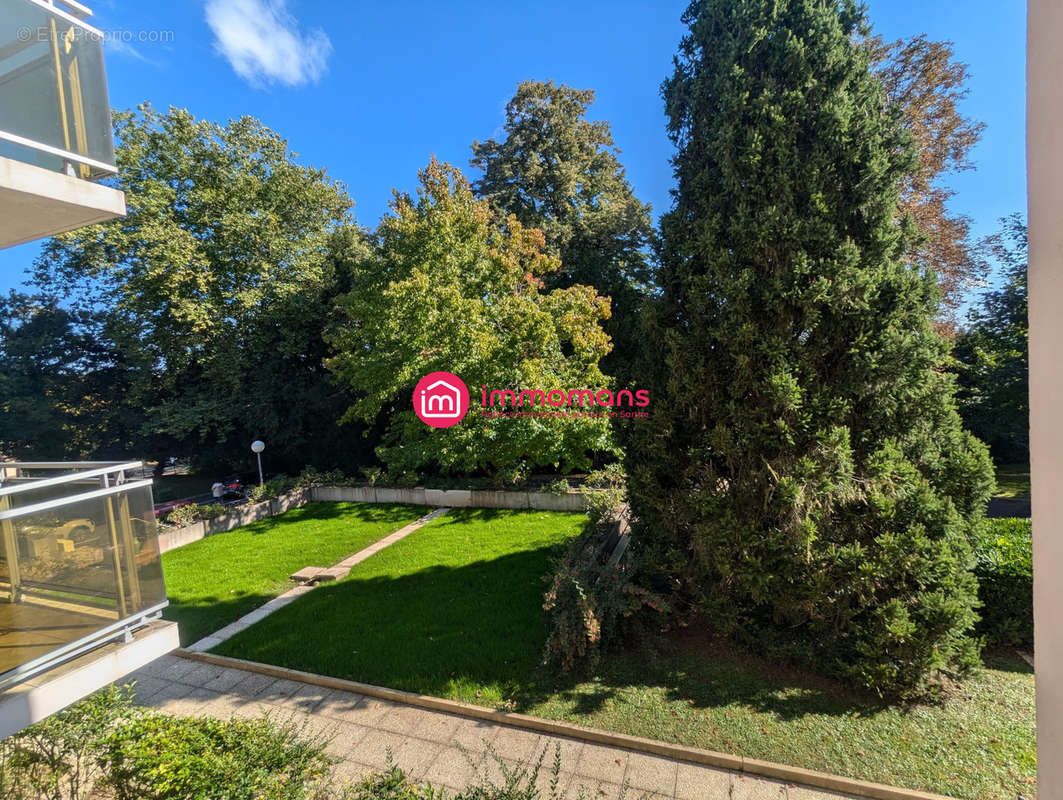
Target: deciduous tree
<point>558,171</point>
<point>216,286</point>
<point>448,287</point>
<point>929,84</point>
<point>993,352</point>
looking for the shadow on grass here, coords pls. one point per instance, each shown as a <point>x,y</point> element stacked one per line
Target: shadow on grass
<point>1006,661</point>
<point>465,516</point>
<point>702,672</point>
<point>450,631</point>
<point>432,631</point>
<point>209,614</point>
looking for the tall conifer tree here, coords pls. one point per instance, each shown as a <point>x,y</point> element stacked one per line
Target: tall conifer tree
<point>807,484</point>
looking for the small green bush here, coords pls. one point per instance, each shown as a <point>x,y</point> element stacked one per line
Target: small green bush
<point>158,757</point>
<point>372,475</point>
<point>558,487</point>
<point>186,515</point>
<point>274,487</point>
<point>311,477</point>
<point>390,784</point>
<point>57,759</point>
<point>212,511</point>
<point>183,515</point>
<point>592,605</point>
<point>1004,568</point>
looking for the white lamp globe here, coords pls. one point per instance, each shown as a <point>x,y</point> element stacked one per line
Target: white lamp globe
<point>258,446</point>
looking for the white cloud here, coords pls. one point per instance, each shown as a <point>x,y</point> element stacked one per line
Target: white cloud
<point>264,43</point>
<point>126,49</point>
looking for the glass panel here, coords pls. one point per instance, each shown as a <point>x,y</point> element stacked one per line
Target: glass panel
<point>70,571</point>
<point>53,87</point>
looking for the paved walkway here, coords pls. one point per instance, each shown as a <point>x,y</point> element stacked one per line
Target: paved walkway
<point>429,745</point>
<point>280,601</point>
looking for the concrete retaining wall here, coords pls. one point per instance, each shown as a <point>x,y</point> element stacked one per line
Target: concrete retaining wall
<point>417,496</point>
<point>236,518</point>
<point>454,498</point>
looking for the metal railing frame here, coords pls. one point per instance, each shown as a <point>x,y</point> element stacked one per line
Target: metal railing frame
<point>114,489</point>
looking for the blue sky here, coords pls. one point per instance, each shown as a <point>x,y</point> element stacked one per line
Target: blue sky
<point>370,90</point>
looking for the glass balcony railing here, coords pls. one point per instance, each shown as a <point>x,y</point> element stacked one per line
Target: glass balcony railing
<point>54,110</point>
<point>79,561</point>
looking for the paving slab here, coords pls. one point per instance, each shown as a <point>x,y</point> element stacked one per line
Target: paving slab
<point>449,750</point>
<point>306,574</point>
<point>332,574</point>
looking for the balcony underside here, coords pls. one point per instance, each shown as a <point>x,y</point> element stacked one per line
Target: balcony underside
<point>36,203</point>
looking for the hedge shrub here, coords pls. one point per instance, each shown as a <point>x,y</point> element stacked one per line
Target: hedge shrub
<point>1004,568</point>
<point>159,757</point>
<point>187,514</point>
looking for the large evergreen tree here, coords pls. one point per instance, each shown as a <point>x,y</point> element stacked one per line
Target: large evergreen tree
<point>560,172</point>
<point>806,482</point>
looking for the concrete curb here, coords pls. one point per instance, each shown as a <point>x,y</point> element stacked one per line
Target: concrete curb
<point>695,755</point>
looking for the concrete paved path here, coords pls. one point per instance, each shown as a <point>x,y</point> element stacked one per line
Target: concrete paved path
<point>429,745</point>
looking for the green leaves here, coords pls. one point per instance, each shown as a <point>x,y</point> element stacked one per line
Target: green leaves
<point>215,287</point>
<point>993,353</point>
<point>448,287</point>
<point>557,171</point>
<point>807,480</point>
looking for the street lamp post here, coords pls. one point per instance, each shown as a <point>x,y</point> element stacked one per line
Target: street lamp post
<point>257,447</point>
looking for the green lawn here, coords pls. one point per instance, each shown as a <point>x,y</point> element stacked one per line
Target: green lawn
<point>454,610</point>
<point>1013,481</point>
<point>217,580</point>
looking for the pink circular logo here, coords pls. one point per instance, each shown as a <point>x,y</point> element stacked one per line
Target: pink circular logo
<point>440,399</point>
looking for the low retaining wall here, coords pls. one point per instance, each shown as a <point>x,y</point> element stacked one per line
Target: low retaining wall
<point>453,498</point>
<point>417,496</point>
<point>236,518</point>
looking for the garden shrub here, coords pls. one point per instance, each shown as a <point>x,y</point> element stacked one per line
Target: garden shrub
<point>183,515</point>
<point>274,487</point>
<point>1004,568</point>
<point>592,605</point>
<point>558,487</point>
<point>105,747</point>
<point>159,757</point>
<point>212,510</point>
<point>57,759</point>
<point>186,515</point>
<point>372,475</point>
<point>312,477</point>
